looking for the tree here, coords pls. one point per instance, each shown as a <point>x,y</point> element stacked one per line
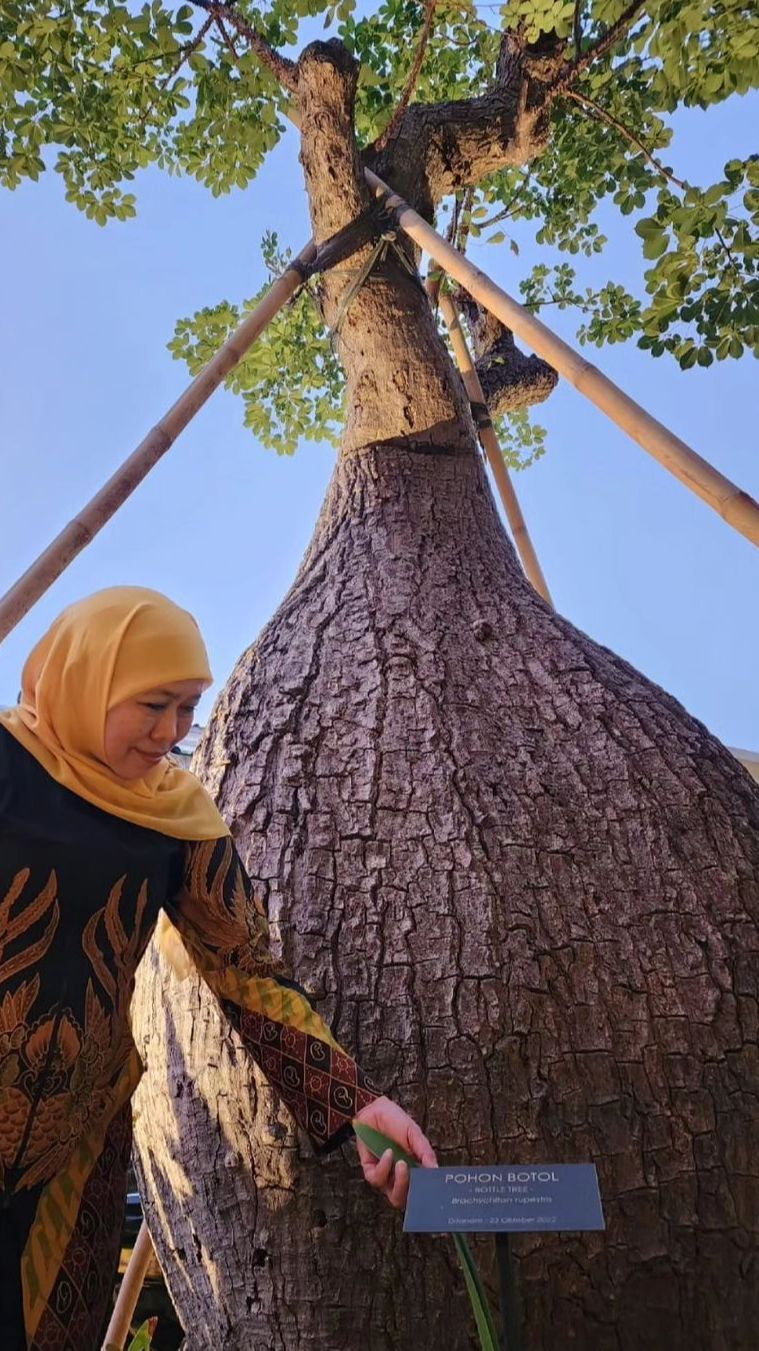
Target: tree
<point>522,879</point>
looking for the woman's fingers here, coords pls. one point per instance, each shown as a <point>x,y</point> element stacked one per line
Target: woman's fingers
<point>386,1116</point>
<point>420,1147</point>
<point>391,1180</point>
<point>376,1171</point>
<point>391,1120</point>
<point>397,1191</point>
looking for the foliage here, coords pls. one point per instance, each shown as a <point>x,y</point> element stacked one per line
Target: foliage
<point>703,287</point>
<point>459,62</point>
<point>308,403</point>
<point>522,440</point>
<point>99,89</point>
<point>143,1338</point>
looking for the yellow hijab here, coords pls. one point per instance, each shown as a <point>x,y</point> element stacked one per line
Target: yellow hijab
<point>101,651</point>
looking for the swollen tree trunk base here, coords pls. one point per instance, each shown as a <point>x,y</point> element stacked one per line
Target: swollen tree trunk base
<point>523,883</point>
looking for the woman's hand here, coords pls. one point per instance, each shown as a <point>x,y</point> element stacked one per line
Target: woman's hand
<point>387,1117</point>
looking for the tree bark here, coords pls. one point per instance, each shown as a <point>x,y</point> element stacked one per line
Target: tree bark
<point>401,385</point>
<point>522,882</point>
<point>444,147</point>
<point>509,379</point>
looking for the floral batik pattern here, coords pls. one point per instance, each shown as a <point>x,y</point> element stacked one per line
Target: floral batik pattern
<point>225,928</point>
<point>79,1301</point>
<point>60,1066</point>
<point>80,895</point>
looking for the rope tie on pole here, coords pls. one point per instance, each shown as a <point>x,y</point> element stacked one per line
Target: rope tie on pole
<point>480,414</point>
<point>386,246</point>
<point>375,225</point>
<point>344,242</point>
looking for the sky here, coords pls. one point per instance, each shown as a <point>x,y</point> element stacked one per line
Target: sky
<point>631,556</point>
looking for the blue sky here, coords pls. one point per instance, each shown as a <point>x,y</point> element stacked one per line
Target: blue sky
<point>630,555</point>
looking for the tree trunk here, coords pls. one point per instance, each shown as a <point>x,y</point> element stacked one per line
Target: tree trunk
<point>523,883</point>
<point>521,880</point>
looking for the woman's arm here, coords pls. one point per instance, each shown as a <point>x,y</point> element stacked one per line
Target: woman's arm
<point>225,929</point>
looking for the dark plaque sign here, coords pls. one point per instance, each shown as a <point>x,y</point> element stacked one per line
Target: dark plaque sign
<point>504,1198</point>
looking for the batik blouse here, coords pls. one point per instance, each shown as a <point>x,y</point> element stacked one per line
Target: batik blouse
<point>80,892</point>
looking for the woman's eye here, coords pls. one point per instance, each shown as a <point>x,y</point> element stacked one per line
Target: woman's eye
<point>188,710</point>
<point>155,708</point>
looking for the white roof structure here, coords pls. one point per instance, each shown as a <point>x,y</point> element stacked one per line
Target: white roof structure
<point>189,743</point>
<point>749,760</point>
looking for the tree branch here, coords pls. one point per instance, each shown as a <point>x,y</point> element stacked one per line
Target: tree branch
<point>454,221</point>
<point>182,55</point>
<point>625,21</point>
<point>227,38</point>
<point>624,131</point>
<point>508,208</point>
<point>397,117</point>
<point>633,140</point>
<point>577,29</point>
<point>281,67</point>
<point>445,147</point>
<point>728,251</point>
<point>464,223</point>
<point>509,378</point>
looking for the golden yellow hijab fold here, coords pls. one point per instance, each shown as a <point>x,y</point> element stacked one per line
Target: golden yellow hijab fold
<point>99,652</point>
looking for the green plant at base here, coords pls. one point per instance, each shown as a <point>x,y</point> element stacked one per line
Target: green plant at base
<point>142,1339</point>
<point>483,1317</point>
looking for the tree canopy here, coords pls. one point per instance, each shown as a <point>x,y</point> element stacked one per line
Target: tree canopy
<point>99,89</point>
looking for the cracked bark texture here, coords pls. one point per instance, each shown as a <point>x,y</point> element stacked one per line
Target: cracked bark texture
<point>521,882</point>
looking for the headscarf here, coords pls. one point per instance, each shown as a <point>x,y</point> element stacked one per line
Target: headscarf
<point>101,651</point>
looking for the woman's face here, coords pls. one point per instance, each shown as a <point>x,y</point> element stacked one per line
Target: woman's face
<point>140,732</point>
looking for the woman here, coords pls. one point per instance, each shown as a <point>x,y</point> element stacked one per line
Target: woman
<point>98,831</point>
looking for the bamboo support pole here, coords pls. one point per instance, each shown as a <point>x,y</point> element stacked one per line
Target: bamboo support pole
<point>492,448</point>
<point>129,1292</point>
<point>734,505</point>
<point>82,529</point>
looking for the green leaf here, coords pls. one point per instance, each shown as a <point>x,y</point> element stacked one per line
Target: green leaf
<point>648,228</point>
<point>477,1295</point>
<point>655,246</point>
<point>142,1338</point>
<point>379,1143</point>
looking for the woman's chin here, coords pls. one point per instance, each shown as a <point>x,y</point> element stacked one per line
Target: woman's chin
<point>136,766</point>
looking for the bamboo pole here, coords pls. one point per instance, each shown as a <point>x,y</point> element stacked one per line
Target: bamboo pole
<point>82,529</point>
<point>734,505</point>
<point>129,1292</point>
<point>492,448</point>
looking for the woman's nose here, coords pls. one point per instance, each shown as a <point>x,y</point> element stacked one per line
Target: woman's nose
<point>165,730</point>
